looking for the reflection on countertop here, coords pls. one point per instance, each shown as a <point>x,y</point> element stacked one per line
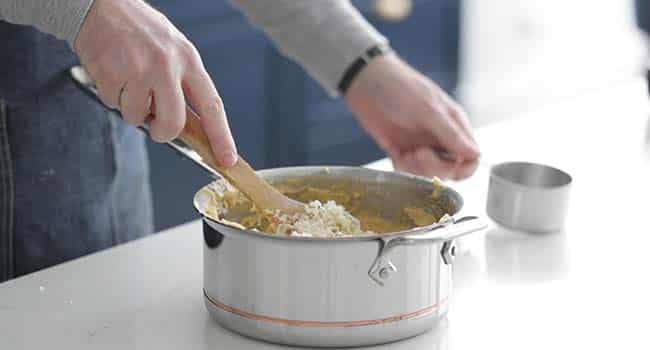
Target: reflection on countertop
<point>435,339</point>
<point>520,257</point>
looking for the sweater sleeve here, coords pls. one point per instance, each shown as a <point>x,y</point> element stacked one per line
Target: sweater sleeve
<point>61,18</point>
<point>324,36</point>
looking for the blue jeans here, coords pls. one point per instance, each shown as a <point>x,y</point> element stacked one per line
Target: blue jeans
<point>74,178</point>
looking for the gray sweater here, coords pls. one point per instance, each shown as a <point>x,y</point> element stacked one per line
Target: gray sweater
<point>324,36</point>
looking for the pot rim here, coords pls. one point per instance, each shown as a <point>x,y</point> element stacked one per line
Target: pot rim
<point>258,234</point>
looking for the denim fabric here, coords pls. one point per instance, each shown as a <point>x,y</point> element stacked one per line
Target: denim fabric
<point>79,174</point>
<point>6,199</point>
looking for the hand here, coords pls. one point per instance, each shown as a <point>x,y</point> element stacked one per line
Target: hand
<point>145,67</point>
<point>420,127</point>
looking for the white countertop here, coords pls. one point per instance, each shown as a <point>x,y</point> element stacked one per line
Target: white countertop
<point>586,288</point>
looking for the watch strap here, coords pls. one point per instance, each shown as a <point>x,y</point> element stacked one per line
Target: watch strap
<point>358,65</point>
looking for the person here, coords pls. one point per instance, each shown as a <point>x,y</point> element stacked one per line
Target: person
<point>73,181</point>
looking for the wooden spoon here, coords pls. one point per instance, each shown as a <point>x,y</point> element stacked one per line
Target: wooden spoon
<point>241,175</point>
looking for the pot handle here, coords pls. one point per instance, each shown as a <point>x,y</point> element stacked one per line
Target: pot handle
<point>445,231</point>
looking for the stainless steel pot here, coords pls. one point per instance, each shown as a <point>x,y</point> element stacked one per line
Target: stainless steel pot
<point>335,292</point>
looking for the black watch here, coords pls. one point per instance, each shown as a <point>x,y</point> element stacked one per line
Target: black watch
<point>356,66</point>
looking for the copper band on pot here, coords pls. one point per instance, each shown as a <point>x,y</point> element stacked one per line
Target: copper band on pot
<point>323,324</point>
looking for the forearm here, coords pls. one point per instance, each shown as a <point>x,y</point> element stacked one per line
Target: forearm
<point>324,36</point>
<point>61,18</point>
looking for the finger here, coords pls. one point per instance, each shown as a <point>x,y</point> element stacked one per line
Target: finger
<point>463,123</point>
<point>169,110</point>
<point>108,84</point>
<point>425,162</point>
<point>451,136</point>
<point>204,98</point>
<point>135,104</point>
<point>465,169</point>
<point>152,110</point>
<point>460,116</point>
<point>109,91</point>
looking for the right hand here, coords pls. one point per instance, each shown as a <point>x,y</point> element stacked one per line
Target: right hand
<point>146,68</point>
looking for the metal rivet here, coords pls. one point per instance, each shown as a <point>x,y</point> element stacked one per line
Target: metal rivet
<point>384,273</point>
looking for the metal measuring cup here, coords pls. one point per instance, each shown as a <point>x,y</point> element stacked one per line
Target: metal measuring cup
<point>528,196</point>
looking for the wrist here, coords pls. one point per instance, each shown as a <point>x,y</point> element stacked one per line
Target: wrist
<point>375,79</point>
<point>354,70</point>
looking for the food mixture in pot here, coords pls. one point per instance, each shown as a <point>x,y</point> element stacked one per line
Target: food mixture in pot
<point>329,212</point>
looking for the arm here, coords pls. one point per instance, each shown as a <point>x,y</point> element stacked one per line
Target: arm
<point>142,64</point>
<point>414,121</point>
<point>59,18</point>
<point>323,36</point>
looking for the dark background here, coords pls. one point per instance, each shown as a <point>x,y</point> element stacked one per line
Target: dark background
<point>279,116</point>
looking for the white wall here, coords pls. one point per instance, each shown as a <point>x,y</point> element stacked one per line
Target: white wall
<point>520,54</point>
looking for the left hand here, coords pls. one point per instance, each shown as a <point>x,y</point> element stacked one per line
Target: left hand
<point>413,120</point>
